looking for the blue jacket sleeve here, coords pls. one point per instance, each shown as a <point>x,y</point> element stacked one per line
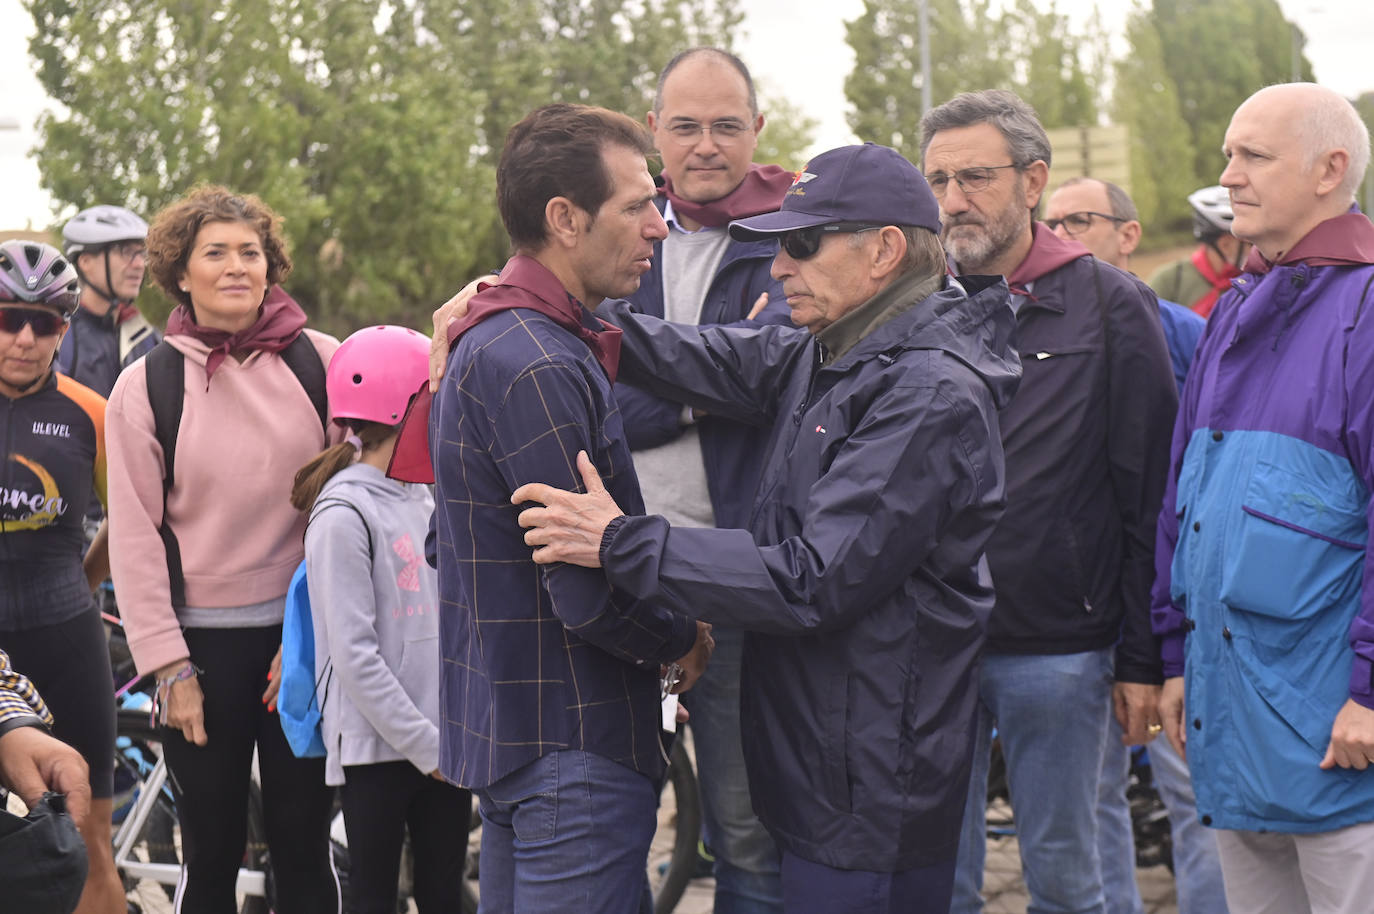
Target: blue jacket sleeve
<point>545,418</point>
<point>869,523</point>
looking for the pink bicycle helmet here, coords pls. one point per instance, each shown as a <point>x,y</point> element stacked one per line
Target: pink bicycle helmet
<point>37,273</point>
<point>374,373</point>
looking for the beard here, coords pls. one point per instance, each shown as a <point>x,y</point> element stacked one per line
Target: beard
<point>975,241</point>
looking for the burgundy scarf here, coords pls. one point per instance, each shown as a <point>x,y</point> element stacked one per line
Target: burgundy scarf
<point>1347,239</point>
<point>280,320</point>
<point>525,283</point>
<point>761,191</point>
<point>1048,253</point>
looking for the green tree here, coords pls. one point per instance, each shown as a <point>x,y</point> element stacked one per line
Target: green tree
<point>1050,75</point>
<point>787,132</point>
<point>1162,153</point>
<point>968,51</point>
<point>1219,52</point>
<point>1023,48</point>
<point>374,131</point>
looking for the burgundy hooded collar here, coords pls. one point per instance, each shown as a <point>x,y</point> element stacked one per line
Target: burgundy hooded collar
<point>280,320</point>
<point>761,191</point>
<point>1347,239</point>
<point>1048,253</point>
<point>525,283</point>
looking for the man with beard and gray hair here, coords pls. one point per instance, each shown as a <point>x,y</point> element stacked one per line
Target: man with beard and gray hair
<point>1086,435</point>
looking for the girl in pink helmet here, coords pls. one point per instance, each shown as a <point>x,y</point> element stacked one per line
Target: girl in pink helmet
<point>374,603</point>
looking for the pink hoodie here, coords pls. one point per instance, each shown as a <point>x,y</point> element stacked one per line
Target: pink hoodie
<point>241,441</point>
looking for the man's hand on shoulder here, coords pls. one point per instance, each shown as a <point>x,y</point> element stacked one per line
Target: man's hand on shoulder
<point>454,309</point>
<point>1352,738</point>
<point>570,525</point>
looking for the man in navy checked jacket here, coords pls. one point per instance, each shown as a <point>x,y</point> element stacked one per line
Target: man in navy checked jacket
<point>550,686</point>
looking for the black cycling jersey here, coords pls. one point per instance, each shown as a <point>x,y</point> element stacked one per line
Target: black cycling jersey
<point>53,442</point>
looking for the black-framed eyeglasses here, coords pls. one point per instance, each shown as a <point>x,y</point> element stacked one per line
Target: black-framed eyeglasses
<point>1078,223</point>
<point>970,180</point>
<point>723,133</point>
<point>803,243</point>
<point>43,321</point>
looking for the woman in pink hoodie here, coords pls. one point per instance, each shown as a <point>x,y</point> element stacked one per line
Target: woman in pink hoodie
<point>203,541</point>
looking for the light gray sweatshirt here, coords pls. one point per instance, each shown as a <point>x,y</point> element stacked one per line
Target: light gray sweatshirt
<point>374,603</point>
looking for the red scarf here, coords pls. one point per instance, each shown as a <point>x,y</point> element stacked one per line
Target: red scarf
<point>280,320</point>
<point>1220,280</point>
<point>525,283</point>
<point>761,191</point>
<point>1347,239</point>
<point>1048,253</point>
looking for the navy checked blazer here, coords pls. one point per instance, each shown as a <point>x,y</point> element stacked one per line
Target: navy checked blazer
<point>535,658</point>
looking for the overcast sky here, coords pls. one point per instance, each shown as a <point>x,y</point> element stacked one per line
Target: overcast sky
<point>795,49</point>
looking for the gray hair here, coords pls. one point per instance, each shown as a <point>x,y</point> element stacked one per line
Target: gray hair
<point>1118,201</point>
<point>716,54</point>
<point>925,255</point>
<point>1013,118</point>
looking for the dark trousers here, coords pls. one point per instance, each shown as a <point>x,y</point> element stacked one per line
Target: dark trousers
<point>380,802</point>
<point>814,888</point>
<point>211,784</point>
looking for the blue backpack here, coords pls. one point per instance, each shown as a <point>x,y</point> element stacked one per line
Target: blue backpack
<point>299,705</point>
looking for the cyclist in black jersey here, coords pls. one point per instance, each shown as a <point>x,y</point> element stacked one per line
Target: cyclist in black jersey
<point>52,435</point>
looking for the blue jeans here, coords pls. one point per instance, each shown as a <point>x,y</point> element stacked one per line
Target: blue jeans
<point>1051,712</point>
<point>1197,869</point>
<point>814,888</point>
<point>568,832</point>
<point>746,867</point>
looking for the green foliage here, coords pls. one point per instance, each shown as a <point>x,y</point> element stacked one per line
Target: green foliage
<point>1023,48</point>
<point>1218,53</point>
<point>1146,101</point>
<point>1190,64</point>
<point>787,132</point>
<point>969,50</point>
<point>372,129</point>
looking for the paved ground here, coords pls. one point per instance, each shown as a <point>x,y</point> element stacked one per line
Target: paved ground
<point>1004,891</point>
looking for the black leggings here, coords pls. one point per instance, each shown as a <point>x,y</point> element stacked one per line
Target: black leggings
<point>211,784</point>
<point>69,664</point>
<point>379,802</point>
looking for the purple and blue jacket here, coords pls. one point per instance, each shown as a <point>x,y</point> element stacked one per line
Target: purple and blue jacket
<point>1263,544</point>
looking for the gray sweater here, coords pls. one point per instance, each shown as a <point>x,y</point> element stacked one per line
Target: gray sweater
<point>374,602</point>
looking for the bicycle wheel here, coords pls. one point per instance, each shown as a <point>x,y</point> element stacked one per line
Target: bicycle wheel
<point>673,854</point>
<point>151,865</point>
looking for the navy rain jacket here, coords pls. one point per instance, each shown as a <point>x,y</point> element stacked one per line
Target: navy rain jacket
<point>861,579</point>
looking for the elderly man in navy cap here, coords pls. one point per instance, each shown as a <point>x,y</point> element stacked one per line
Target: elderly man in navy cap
<point>861,581</point>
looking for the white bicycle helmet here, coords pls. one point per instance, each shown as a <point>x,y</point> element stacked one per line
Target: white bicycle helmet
<point>97,226</point>
<point>1212,215</point>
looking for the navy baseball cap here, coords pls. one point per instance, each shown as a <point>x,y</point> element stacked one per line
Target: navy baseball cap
<point>867,183</point>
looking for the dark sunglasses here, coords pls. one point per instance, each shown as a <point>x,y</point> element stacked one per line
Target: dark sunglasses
<point>803,243</point>
<point>43,322</point>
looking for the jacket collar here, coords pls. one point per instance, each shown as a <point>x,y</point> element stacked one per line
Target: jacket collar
<point>1346,240</point>
<point>1048,253</point>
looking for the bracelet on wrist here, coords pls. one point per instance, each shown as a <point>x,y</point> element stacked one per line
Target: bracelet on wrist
<point>157,712</point>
